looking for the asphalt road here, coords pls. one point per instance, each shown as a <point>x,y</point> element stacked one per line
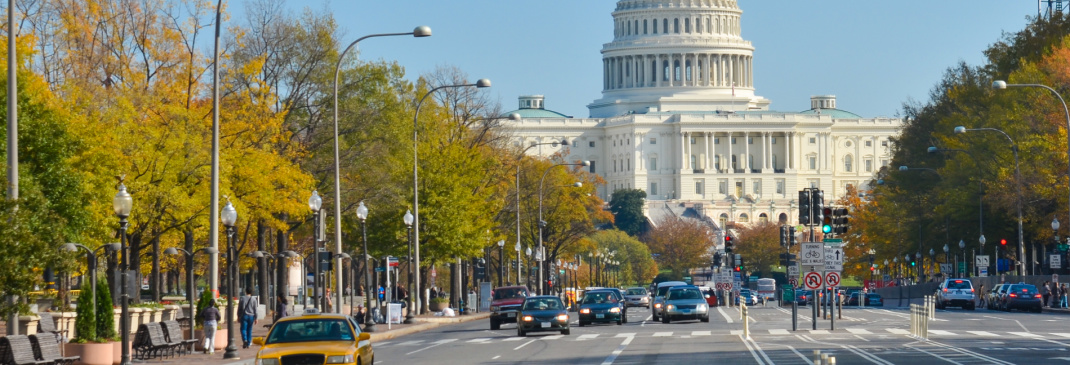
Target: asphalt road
<point>863,336</point>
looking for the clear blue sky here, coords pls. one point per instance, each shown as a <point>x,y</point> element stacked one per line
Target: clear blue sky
<point>873,55</point>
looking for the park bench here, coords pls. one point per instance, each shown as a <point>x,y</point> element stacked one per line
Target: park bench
<point>46,348</point>
<point>18,350</point>
<point>174,335</point>
<point>151,342</point>
<point>48,324</point>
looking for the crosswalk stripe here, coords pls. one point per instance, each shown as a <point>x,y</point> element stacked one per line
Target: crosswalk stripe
<point>587,337</point>
<point>859,331</point>
<point>701,333</point>
<point>778,331</point>
<point>510,339</point>
<point>736,332</point>
<point>407,343</point>
<point>1062,334</point>
<point>1024,334</point>
<point>662,334</point>
<point>941,333</point>
<point>482,340</point>
<point>983,333</point>
<point>632,334</point>
<point>819,332</point>
<point>550,338</point>
<point>897,331</point>
<point>384,343</point>
<point>444,341</point>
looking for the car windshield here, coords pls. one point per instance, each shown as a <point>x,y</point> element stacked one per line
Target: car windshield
<point>509,293</point>
<point>959,284</point>
<point>684,294</point>
<point>599,297</point>
<point>874,296</point>
<point>636,291</point>
<point>663,290</point>
<point>1024,289</point>
<point>310,330</point>
<point>542,304</point>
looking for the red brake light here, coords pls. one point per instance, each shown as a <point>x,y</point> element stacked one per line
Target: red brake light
<point>1013,295</point>
<point>1038,296</point>
<point>1024,290</point>
<point>958,281</point>
<point>945,290</point>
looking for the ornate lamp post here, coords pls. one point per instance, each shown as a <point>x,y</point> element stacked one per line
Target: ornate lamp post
<point>542,223</point>
<point>190,290</point>
<point>1018,180</point>
<point>408,218</point>
<point>501,262</point>
<point>528,279</point>
<point>932,262</point>
<point>369,291</point>
<point>946,249</point>
<point>228,217</point>
<point>91,266</point>
<point>315,202</point>
<point>962,246</point>
<point>123,203</point>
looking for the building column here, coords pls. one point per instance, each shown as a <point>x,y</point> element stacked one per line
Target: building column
<point>746,151</point>
<point>709,151</point>
<point>765,151</point>
<point>731,169</point>
<point>683,149</point>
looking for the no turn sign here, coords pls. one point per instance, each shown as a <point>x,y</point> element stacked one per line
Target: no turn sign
<point>794,282</point>
<point>832,278</point>
<point>812,280</point>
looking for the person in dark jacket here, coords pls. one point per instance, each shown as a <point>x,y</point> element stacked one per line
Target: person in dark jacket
<point>281,309</point>
<point>211,320</point>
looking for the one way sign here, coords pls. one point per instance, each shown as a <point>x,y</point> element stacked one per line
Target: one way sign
<point>833,258</point>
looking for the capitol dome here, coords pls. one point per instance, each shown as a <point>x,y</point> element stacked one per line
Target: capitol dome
<point>677,55</point>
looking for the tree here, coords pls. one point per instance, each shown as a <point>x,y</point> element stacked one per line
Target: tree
<point>627,208</point>
<point>637,266</point>
<point>758,244</point>
<point>680,244</point>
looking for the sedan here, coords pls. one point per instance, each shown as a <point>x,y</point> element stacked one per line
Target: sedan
<point>600,306</point>
<point>1022,297</point>
<point>313,337</point>
<point>542,313</point>
<point>685,302</point>
<point>637,297</point>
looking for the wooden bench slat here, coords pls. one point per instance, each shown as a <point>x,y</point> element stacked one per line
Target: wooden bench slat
<point>46,348</point>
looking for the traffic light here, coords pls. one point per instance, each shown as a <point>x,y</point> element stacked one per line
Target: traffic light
<point>717,259</point>
<point>728,244</point>
<point>1003,242</point>
<point>783,236</point>
<point>839,221</point>
<point>826,220</point>
<point>804,207</point>
<point>818,204</point>
<point>791,236</point>
<point>738,268</point>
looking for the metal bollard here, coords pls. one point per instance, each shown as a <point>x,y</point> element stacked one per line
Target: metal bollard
<point>824,359</point>
<point>817,357</point>
<point>832,360</point>
<point>932,308</point>
<point>746,322</point>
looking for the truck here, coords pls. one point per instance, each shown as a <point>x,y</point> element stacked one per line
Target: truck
<point>505,304</point>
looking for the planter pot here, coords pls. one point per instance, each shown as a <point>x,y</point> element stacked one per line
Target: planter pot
<point>220,339</point>
<point>28,324</point>
<point>438,306</point>
<point>118,319</point>
<point>91,353</point>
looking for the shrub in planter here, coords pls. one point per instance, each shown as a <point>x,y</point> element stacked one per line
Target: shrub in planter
<point>85,325</point>
<point>202,303</point>
<point>105,315</point>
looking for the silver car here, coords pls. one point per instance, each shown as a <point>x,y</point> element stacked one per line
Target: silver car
<point>637,297</point>
<point>685,302</point>
<point>659,297</point>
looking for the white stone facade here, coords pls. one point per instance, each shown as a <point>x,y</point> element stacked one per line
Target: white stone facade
<point>679,119</point>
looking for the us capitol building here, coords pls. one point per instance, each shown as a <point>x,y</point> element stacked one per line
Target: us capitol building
<point>679,119</point>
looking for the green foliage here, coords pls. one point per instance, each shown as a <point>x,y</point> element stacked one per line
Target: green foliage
<point>85,325</point>
<point>627,208</point>
<point>637,267</point>
<point>202,304</point>
<point>105,314</point>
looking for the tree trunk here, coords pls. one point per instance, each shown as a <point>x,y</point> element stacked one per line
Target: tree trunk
<point>156,276</point>
<point>282,244</point>
<point>262,236</point>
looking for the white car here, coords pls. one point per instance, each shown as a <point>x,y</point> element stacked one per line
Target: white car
<point>955,293</point>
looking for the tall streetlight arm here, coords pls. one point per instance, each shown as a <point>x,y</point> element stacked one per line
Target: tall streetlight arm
<point>1018,179</point>
<point>541,223</point>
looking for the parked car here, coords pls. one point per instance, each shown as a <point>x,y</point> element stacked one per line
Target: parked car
<point>659,297</point>
<point>955,293</point>
<point>600,305</point>
<point>747,296</point>
<point>505,304</point>
<point>685,302</point>
<point>874,300</point>
<point>1022,297</point>
<point>804,297</point>
<point>637,297</point>
<point>542,313</point>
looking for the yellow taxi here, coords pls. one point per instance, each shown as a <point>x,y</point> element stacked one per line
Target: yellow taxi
<point>315,339</point>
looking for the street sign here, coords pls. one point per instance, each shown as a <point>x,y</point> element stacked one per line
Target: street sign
<point>380,269</point>
<point>794,282</point>
<point>793,271</point>
<point>1063,247</point>
<point>1056,261</point>
<point>982,271</point>
<point>812,254</point>
<point>813,280</point>
<point>392,261</point>
<point>832,278</point>
<point>833,240</point>
<point>945,268</point>
<point>981,260</point>
<point>833,258</point>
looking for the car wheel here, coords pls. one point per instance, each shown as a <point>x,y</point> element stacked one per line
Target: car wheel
<point>665,319</point>
<point>624,317</point>
<point>706,318</point>
<point>620,321</point>
<point>494,324</point>
<point>520,331</point>
<point>654,317</point>
<point>582,323</point>
<point>566,332</point>
<point>971,307</point>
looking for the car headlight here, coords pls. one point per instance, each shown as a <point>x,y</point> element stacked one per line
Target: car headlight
<point>340,359</point>
<point>267,361</point>
<point>668,307</point>
<point>528,318</point>
<point>657,305</point>
<point>562,318</point>
<point>494,308</point>
<point>585,310</point>
<point>614,310</point>
<point>701,307</point>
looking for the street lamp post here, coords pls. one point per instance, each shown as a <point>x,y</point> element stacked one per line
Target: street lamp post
<point>501,263</point>
<point>946,250</point>
<point>228,217</point>
<point>528,276</point>
<point>412,295</point>
<point>91,266</point>
<point>519,270</point>
<point>542,223</point>
<point>932,262</point>
<point>1000,85</point>
<point>421,31</point>
<point>565,142</point>
<point>481,83</point>
<point>1018,179</point>
<point>965,263</point>
<point>1055,234</point>
<point>123,203</point>
<point>369,291</point>
<point>190,290</point>
<point>315,202</point>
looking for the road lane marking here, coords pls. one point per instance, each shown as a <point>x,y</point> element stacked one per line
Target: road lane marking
<point>480,340</point>
<point>984,333</point>
<point>859,331</point>
<point>384,343</point>
<point>1020,325</point>
<point>1067,335</point>
<point>701,333</point>
<point>496,357</point>
<point>725,315</point>
<point>407,343</point>
<point>1023,334</point>
<point>587,337</point>
<point>861,338</point>
<point>625,335</point>
<point>866,355</point>
<point>613,356</point>
<point>736,332</point>
<point>941,333</point>
<point>551,338</point>
<point>436,343</point>
<point>970,353</point>
<point>779,331</point>
<point>522,346</point>
<point>819,332</point>
<point>752,352</point>
<point>513,339</point>
<point>897,331</point>
<point>662,334</point>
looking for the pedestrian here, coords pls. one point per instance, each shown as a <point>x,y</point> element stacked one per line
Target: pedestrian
<point>280,308</point>
<point>1046,291</point>
<point>211,321</point>
<point>247,307</point>
<point>981,297</point>
<point>330,302</point>
<point>1062,296</point>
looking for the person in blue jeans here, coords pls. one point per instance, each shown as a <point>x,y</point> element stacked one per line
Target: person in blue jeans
<point>247,307</point>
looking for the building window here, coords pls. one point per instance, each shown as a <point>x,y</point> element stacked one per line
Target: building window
<point>750,140</point>
<point>664,25</point>
<point>722,187</point>
<point>717,163</point>
<point>763,218</point>
<point>869,165</point>
<point>653,140</point>
<point>716,140</point>
<point>744,218</point>
<point>723,220</point>
<point>813,162</point>
<point>592,165</point>
<point>774,162</point>
<point>733,140</point>
<point>813,140</point>
<point>815,183</point>
<point>614,165</point>
<point>884,143</point>
<point>591,143</point>
<point>653,163</point>
<point>653,189</point>
<point>848,163</point>
<point>773,140</point>
<point>629,164</point>
<point>644,26</point>
<point>687,25</point>
<point>676,26</point>
<point>614,143</point>
<point>780,187</point>
<point>884,163</point>
<point>739,188</point>
<point>750,162</point>
<point>692,140</point>
<point>869,143</point>
<point>699,187</point>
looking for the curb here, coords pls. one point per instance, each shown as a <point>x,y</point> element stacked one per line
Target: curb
<point>1055,310</point>
<point>428,323</point>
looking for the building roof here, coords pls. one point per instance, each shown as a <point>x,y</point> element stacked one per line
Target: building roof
<point>536,113</point>
<point>834,113</point>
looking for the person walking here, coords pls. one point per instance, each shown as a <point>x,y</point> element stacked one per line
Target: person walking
<point>247,307</point>
<point>280,308</point>
<point>211,321</point>
<point>981,297</point>
<point>1046,291</point>
<point>1062,296</point>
